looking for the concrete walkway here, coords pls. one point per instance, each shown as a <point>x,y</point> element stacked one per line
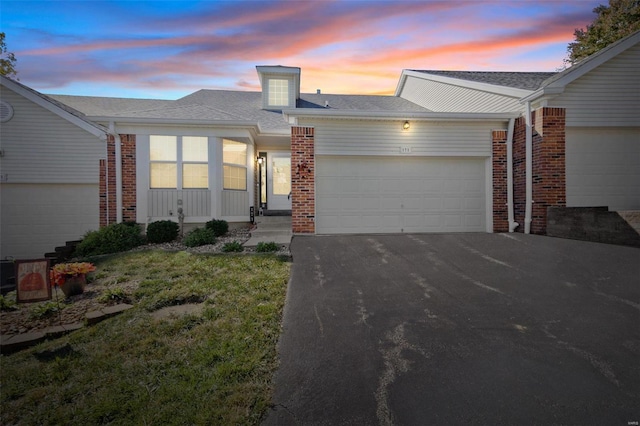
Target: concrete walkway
<point>275,229</point>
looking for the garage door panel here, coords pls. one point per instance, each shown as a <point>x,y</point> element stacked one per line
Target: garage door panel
<point>397,194</point>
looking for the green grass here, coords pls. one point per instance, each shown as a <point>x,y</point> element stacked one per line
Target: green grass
<point>214,367</point>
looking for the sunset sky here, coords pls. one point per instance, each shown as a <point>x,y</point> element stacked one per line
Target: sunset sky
<point>166,49</point>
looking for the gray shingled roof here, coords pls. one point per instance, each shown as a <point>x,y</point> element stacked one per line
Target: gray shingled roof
<point>228,105</point>
<point>359,103</point>
<point>518,80</point>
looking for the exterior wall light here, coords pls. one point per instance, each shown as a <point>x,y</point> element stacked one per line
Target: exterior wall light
<point>260,160</point>
<point>406,125</point>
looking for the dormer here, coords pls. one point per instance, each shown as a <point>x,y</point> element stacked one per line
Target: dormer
<point>280,86</point>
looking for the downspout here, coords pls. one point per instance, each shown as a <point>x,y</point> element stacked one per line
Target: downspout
<point>512,223</point>
<point>529,169</point>
<point>118,161</point>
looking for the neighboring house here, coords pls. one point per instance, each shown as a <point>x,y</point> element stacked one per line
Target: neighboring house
<point>49,172</point>
<point>450,152</point>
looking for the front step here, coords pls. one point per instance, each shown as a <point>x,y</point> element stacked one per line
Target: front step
<point>632,217</point>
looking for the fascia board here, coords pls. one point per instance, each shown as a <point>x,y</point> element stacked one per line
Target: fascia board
<point>252,126</point>
<point>485,87</point>
<point>38,100</point>
<point>399,115</point>
<point>549,92</point>
<point>400,86</point>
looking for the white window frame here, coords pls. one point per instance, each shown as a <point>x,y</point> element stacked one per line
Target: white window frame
<point>179,163</point>
<point>278,92</point>
<point>236,166</point>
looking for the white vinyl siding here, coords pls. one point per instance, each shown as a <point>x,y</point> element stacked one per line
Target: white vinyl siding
<point>392,194</point>
<point>603,168</point>
<point>609,95</point>
<point>36,218</point>
<point>425,138</point>
<point>163,203</point>
<point>442,97</point>
<point>39,146</point>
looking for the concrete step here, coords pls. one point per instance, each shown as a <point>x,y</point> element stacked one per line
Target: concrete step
<point>273,219</point>
<point>632,217</point>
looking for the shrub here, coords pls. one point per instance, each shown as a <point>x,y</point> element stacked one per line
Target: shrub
<point>162,231</point>
<point>199,237</point>
<point>113,238</point>
<point>266,247</point>
<point>233,246</point>
<point>219,227</point>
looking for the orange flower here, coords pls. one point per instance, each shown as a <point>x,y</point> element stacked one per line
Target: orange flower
<point>61,271</point>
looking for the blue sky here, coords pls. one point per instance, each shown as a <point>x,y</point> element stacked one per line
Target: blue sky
<point>167,49</point>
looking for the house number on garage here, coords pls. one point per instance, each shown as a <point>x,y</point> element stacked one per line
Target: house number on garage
<point>405,150</point>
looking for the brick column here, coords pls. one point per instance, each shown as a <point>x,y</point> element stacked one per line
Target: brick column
<point>499,163</point>
<point>128,150</point>
<point>108,207</point>
<point>303,168</point>
<point>549,182</point>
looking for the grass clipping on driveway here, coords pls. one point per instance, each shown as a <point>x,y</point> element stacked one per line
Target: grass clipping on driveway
<point>214,366</point>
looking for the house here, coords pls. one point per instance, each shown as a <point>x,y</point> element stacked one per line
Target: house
<point>450,152</point>
<point>50,158</point>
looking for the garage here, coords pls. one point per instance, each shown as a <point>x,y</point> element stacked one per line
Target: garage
<point>602,168</point>
<point>36,218</point>
<point>356,194</point>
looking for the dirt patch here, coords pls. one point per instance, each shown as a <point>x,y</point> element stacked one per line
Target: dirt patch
<point>177,311</point>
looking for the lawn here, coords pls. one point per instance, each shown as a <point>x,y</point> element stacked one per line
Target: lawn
<point>212,366</point>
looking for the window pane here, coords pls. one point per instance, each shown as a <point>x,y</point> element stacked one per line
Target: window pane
<point>278,92</point>
<point>281,176</point>
<point>164,175</point>
<point>234,153</point>
<point>163,148</point>
<point>194,148</point>
<point>195,176</point>
<point>235,178</point>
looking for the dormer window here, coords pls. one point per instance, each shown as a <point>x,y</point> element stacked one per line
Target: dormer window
<point>280,86</point>
<point>278,92</point>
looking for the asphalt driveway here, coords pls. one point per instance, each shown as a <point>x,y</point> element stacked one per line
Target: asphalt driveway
<point>450,329</point>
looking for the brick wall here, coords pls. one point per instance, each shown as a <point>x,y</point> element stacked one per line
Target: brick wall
<point>499,163</point>
<point>303,205</point>
<point>548,167</point>
<point>108,212</point>
<point>549,182</point>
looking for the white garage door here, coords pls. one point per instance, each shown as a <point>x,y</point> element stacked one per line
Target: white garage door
<point>36,218</point>
<point>603,168</point>
<point>399,194</point>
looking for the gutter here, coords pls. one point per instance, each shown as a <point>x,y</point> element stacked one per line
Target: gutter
<point>397,115</point>
<point>528,169</point>
<point>512,223</point>
<point>118,161</point>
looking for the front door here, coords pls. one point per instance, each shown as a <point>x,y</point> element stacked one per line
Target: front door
<point>279,181</point>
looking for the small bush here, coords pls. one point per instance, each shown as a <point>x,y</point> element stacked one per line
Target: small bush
<point>219,227</point>
<point>113,238</point>
<point>162,231</point>
<point>233,246</point>
<point>199,237</point>
<point>266,247</point>
<point>44,310</point>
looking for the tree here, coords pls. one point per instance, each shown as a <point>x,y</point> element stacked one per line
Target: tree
<point>618,20</point>
<point>7,60</point>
